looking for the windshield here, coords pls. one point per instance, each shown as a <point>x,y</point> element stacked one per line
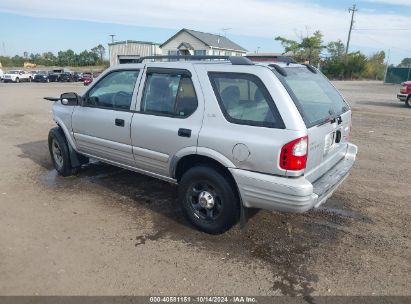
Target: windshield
<point>14,72</point>
<point>314,95</point>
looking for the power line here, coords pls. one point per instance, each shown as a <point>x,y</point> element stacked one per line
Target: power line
<point>387,29</point>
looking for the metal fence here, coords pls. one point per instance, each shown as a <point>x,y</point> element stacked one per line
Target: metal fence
<point>397,75</point>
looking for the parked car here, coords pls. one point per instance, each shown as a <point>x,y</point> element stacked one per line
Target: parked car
<point>42,76</point>
<point>405,93</point>
<point>87,79</point>
<point>67,77</point>
<point>18,76</point>
<point>85,75</point>
<point>232,134</point>
<point>54,77</point>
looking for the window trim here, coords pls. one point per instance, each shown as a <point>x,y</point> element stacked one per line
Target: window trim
<point>83,104</point>
<point>260,84</point>
<point>166,71</point>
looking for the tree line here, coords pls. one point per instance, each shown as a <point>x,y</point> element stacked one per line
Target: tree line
<point>95,56</point>
<point>332,58</point>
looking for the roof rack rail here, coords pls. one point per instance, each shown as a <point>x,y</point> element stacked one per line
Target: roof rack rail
<point>269,58</point>
<point>235,60</point>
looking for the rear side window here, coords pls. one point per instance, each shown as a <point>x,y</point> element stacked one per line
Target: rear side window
<point>314,95</point>
<point>169,95</point>
<point>244,99</point>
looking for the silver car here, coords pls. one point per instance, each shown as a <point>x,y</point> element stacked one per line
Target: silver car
<point>232,133</point>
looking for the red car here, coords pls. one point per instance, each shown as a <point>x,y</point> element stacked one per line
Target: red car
<point>87,79</point>
<point>405,93</point>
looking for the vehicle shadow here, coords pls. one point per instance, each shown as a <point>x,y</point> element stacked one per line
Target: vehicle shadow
<point>282,242</point>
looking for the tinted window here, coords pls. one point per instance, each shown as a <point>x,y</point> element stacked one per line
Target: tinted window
<point>115,91</point>
<point>314,95</point>
<point>244,99</point>
<point>169,95</point>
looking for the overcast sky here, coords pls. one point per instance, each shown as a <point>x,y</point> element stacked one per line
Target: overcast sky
<point>38,26</point>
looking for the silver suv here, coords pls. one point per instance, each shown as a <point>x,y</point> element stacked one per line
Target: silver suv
<point>232,133</point>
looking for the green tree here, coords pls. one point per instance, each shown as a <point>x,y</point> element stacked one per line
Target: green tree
<point>100,51</point>
<point>356,65</point>
<point>333,66</point>
<point>307,49</point>
<point>405,63</point>
<point>375,66</point>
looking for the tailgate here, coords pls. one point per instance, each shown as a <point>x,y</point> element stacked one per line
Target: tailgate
<point>328,144</point>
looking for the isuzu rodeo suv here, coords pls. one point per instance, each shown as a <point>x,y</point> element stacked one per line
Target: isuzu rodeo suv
<point>233,134</point>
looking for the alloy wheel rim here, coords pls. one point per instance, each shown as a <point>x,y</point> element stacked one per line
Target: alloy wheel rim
<point>57,155</point>
<point>205,202</point>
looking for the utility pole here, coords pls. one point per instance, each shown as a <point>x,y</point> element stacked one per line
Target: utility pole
<point>351,10</point>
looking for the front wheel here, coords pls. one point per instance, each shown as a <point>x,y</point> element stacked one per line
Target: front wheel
<point>408,101</point>
<point>59,152</point>
<point>17,80</point>
<point>209,200</point>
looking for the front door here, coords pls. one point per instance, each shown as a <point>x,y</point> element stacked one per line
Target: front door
<point>168,118</point>
<point>101,125</point>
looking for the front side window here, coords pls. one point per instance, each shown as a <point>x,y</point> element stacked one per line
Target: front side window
<point>244,99</point>
<point>114,91</point>
<point>169,95</point>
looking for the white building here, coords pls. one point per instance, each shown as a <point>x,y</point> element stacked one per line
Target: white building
<point>130,50</point>
<point>190,42</point>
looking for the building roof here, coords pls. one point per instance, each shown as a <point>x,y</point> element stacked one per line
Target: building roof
<point>211,40</point>
<point>133,41</point>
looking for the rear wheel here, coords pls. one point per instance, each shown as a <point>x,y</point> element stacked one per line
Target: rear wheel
<point>408,101</point>
<point>59,152</point>
<point>17,80</point>
<point>30,79</point>
<point>209,200</point>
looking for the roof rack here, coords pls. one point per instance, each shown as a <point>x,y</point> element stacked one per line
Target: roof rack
<point>269,58</point>
<point>235,60</point>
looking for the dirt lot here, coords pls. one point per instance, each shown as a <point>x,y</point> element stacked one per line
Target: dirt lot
<point>108,231</point>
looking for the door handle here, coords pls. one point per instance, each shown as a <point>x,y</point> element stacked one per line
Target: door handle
<point>184,132</point>
<point>119,122</point>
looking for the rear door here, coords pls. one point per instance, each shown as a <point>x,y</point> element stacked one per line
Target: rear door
<point>168,117</point>
<point>326,115</point>
<point>101,126</point>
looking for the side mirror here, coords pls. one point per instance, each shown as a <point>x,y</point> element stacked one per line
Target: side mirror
<point>70,99</point>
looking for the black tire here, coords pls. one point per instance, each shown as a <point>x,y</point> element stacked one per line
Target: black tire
<point>408,101</point>
<point>17,80</point>
<point>57,141</point>
<point>30,79</point>
<point>226,207</point>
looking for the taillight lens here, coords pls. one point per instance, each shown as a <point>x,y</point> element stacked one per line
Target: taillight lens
<point>294,154</point>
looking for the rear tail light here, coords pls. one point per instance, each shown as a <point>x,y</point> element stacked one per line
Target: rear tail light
<point>294,154</point>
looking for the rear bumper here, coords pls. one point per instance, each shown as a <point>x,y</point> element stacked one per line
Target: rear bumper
<point>264,191</point>
<point>402,97</point>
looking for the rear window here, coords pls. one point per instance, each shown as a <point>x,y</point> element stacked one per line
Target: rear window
<point>244,99</point>
<point>315,97</point>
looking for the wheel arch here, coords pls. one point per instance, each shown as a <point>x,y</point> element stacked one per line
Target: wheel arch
<point>203,156</point>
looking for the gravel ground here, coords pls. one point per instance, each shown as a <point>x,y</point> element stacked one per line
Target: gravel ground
<point>108,231</point>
